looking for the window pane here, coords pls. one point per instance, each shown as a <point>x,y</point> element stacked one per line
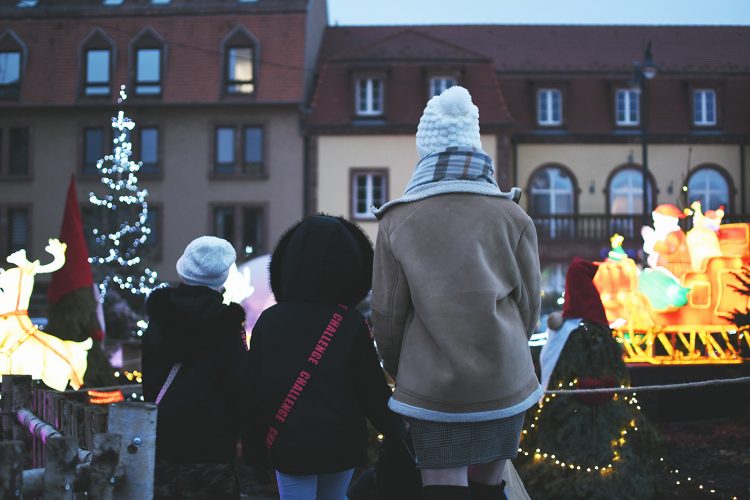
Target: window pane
<point>708,186</point>
<point>240,70</point>
<point>149,149</point>
<point>378,190</point>
<point>225,150</point>
<point>152,221</point>
<point>253,145</point>
<point>97,66</point>
<point>252,220</point>
<point>18,229</point>
<point>556,108</point>
<point>224,223</point>
<point>19,151</point>
<point>93,149</point>
<point>148,71</point>
<point>10,68</point>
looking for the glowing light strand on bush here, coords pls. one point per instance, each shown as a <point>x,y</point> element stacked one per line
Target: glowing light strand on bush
<point>121,246</point>
<point>540,455</point>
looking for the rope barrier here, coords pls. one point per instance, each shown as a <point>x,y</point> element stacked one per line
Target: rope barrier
<point>647,388</point>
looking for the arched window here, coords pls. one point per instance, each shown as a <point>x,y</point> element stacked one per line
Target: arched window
<point>552,192</point>
<point>709,186</point>
<point>626,192</point>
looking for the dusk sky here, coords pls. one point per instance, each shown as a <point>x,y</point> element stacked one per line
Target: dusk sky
<point>346,12</point>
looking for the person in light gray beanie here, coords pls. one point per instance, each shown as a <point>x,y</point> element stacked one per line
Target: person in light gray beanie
<point>193,368</point>
<point>206,261</point>
<point>456,295</point>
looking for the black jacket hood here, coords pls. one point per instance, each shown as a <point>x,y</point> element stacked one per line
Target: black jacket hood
<point>193,320</point>
<point>322,259</point>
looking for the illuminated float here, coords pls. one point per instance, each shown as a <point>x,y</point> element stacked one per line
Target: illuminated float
<point>24,350</point>
<point>679,310</point>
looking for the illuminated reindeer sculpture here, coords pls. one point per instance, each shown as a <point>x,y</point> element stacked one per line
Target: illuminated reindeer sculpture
<point>24,350</point>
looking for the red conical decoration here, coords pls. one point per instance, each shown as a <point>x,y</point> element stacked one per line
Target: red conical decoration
<point>76,273</point>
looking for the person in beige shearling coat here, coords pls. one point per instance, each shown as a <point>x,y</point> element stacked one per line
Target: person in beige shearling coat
<point>456,295</point>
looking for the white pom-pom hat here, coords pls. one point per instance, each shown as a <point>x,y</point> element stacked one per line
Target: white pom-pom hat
<point>449,120</point>
<point>206,262</point>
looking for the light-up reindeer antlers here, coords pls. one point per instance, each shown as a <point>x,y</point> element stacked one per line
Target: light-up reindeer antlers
<point>56,248</point>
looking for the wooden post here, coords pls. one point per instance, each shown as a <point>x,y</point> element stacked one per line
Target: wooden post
<point>11,467</point>
<point>16,394</point>
<point>60,469</point>
<point>136,423</point>
<point>103,464</point>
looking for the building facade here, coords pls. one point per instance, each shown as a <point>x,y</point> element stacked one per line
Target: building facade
<point>572,129</point>
<point>216,89</point>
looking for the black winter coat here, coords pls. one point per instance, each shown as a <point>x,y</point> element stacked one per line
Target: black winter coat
<point>199,415</point>
<point>319,264</point>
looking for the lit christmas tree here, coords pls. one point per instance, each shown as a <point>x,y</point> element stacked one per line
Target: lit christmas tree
<point>592,446</point>
<point>117,247</point>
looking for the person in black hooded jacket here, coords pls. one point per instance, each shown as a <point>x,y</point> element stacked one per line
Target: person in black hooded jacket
<point>316,374</point>
<point>193,357</point>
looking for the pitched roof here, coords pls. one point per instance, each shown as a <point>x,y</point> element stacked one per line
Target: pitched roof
<point>409,57</point>
<point>408,45</point>
<point>193,57</point>
<point>575,48</point>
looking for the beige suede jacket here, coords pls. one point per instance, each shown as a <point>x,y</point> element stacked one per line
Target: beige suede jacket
<point>456,295</point>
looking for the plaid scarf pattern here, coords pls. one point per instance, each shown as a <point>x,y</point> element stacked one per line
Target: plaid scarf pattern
<point>453,163</point>
<point>454,170</point>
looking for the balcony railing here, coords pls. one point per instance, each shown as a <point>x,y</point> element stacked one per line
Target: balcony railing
<point>588,227</point>
<point>600,227</point>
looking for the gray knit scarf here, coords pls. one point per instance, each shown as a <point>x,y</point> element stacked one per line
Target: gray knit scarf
<point>454,170</point>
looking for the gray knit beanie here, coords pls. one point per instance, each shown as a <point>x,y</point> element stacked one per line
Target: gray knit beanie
<point>206,261</point>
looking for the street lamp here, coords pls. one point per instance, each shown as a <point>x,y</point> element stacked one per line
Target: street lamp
<point>643,72</point>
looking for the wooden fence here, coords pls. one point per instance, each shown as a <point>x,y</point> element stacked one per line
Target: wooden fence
<point>55,445</point>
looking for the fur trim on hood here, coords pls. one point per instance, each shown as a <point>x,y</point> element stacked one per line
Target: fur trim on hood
<point>322,259</point>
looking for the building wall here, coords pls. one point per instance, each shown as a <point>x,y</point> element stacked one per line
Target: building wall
<point>338,154</point>
<point>185,192</point>
<point>592,165</point>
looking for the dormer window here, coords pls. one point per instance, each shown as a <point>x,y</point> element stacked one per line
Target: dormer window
<point>97,72</point>
<point>438,84</point>
<point>147,61</point>
<point>240,53</point>
<point>10,73</point>
<point>97,54</point>
<point>148,71</point>
<point>627,107</point>
<point>704,107</point>
<point>240,70</point>
<point>12,52</point>
<point>549,107</point>
<point>369,96</point>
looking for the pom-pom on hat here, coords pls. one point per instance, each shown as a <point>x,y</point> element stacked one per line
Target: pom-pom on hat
<point>206,262</point>
<point>449,120</point>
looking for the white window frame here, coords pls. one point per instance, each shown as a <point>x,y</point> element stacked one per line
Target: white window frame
<point>370,106</point>
<point>700,115</point>
<point>545,114</point>
<point>631,98</point>
<point>439,84</point>
<point>369,199</point>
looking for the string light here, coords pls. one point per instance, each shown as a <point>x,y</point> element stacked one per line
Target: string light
<point>120,247</point>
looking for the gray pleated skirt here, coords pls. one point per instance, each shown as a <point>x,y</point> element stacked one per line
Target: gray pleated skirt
<point>443,445</point>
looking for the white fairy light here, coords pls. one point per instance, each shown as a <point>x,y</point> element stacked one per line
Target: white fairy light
<point>119,247</point>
